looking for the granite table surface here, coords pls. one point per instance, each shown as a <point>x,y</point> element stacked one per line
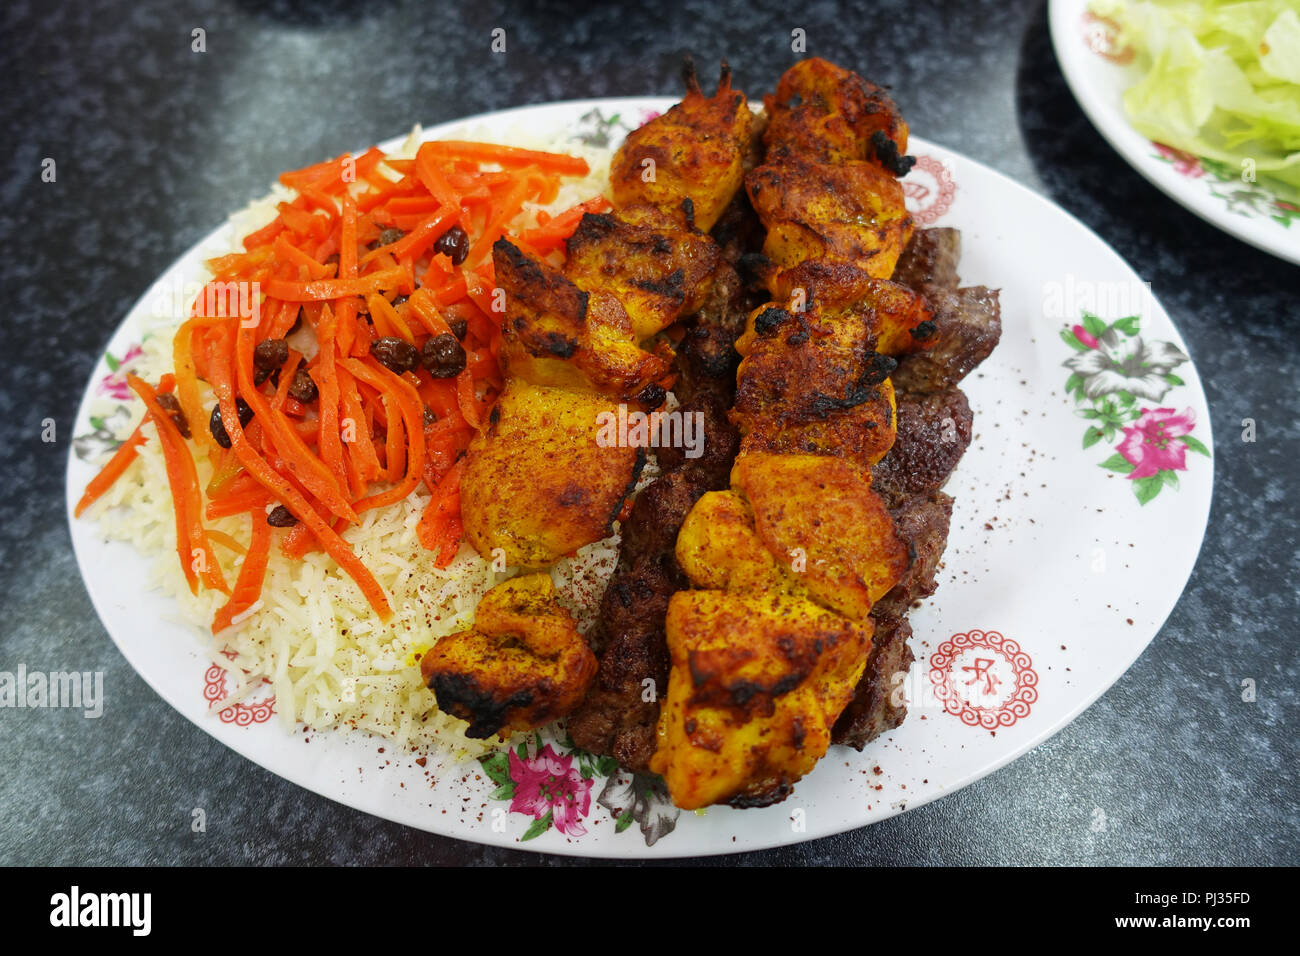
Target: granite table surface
<point>155,145</point>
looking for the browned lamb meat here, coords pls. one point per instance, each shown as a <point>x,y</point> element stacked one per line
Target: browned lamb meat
<point>969,323</point>
<point>934,430</point>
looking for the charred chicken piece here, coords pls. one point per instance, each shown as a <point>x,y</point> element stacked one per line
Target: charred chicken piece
<point>522,664</point>
<point>897,318</point>
<point>852,212</point>
<point>689,162</point>
<point>557,334</point>
<point>744,720</point>
<point>657,270</point>
<point>767,656</point>
<point>832,115</point>
<point>811,384</point>
<point>819,516</point>
<point>537,483</point>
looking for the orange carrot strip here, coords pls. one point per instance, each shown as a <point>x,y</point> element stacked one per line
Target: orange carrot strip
<point>419,239</point>
<point>453,291</point>
<point>500,217</point>
<point>442,506</point>
<point>383,314</point>
<point>121,460</point>
<point>426,169</point>
<point>411,409</point>
<point>314,474</point>
<point>361,446</point>
<point>235,504</point>
<point>221,538</point>
<point>422,304</point>
<point>191,540</point>
<point>509,156</point>
<point>187,385</point>
<point>290,253</point>
<point>223,381</point>
<point>331,445</point>
<point>336,288</point>
<point>348,239</point>
<point>287,373</point>
<point>465,398</point>
<point>414,205</point>
<point>264,235</point>
<point>225,473</point>
<point>252,574</point>
<point>554,232</point>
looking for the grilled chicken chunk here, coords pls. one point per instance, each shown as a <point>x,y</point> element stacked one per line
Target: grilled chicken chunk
<point>820,515</point>
<point>849,211</point>
<point>689,162</point>
<point>765,658</point>
<point>897,319</point>
<point>537,483</point>
<point>744,720</point>
<point>558,334</point>
<point>811,384</point>
<point>823,112</point>
<point>658,271</point>
<point>521,665</point>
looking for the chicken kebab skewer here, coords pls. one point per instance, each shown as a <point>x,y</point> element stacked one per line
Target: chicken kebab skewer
<point>768,650</point>
<point>579,342</point>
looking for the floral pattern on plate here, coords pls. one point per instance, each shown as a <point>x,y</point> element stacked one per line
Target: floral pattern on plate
<point>1115,378</point>
<point>554,787</point>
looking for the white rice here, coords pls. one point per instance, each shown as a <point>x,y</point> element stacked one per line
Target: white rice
<point>313,636</point>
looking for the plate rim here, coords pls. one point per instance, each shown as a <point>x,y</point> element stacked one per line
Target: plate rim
<point>667,850</point>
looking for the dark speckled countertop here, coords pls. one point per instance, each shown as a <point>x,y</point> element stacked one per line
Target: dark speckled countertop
<point>155,145</point>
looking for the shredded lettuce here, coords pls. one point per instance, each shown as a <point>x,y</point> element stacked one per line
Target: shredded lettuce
<point>1221,80</point>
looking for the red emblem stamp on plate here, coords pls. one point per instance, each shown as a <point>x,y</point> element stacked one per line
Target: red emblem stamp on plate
<point>984,679</point>
<point>928,190</point>
<point>239,714</point>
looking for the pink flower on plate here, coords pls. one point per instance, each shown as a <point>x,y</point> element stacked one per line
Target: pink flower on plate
<point>1084,336</point>
<point>1185,164</point>
<point>114,383</point>
<point>1151,443</point>
<point>548,783</point>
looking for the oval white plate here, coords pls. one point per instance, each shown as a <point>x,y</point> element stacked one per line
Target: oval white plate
<point>1056,575</point>
<point>1098,77</point>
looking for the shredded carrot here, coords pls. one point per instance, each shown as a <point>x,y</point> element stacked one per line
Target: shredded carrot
<point>192,545</point>
<point>509,156</point>
<point>223,383</point>
<point>121,460</point>
<point>248,584</point>
<point>369,436</point>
